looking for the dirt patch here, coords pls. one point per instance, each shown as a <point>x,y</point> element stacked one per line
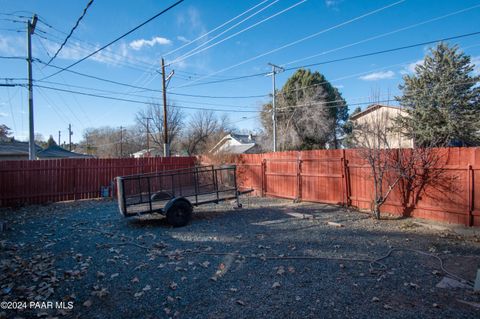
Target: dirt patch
<point>273,258</point>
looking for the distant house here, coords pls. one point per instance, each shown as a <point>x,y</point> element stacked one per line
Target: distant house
<point>236,144</point>
<point>384,115</point>
<point>10,149</point>
<point>147,153</point>
<point>56,152</point>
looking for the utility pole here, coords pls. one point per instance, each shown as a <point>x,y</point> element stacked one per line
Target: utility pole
<point>31,140</point>
<point>70,133</point>
<point>275,69</point>
<point>166,145</point>
<point>59,135</point>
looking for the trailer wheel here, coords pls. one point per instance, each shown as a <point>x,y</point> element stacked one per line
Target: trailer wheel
<point>179,213</point>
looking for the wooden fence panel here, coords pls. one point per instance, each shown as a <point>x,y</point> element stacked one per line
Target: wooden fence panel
<point>43,181</point>
<point>344,177</point>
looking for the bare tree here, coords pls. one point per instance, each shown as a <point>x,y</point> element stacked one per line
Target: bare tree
<point>108,142</point>
<point>411,170</point>
<point>204,129</point>
<point>371,137</point>
<point>153,114</point>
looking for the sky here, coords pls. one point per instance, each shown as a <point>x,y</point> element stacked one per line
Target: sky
<point>211,41</point>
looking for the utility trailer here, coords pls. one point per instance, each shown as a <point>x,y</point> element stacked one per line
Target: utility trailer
<point>174,193</point>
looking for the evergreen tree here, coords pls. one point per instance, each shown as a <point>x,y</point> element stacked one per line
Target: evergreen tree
<point>51,141</point>
<point>310,112</point>
<point>4,131</point>
<point>442,100</point>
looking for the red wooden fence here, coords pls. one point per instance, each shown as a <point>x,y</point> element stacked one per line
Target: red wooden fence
<point>43,181</point>
<point>343,177</point>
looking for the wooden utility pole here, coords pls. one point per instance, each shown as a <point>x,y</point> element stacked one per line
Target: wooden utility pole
<point>59,135</point>
<point>31,140</point>
<point>166,145</point>
<point>70,133</point>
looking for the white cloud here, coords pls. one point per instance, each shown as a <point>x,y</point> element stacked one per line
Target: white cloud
<point>339,86</point>
<point>332,3</point>
<point>140,43</point>
<point>2,114</point>
<point>190,21</point>
<point>115,55</point>
<point>410,68</point>
<point>382,75</point>
<point>12,45</point>
<point>181,38</point>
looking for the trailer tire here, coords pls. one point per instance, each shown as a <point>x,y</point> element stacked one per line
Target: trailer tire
<point>179,213</point>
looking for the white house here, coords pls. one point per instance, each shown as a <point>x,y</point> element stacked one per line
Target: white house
<point>147,153</point>
<point>236,144</point>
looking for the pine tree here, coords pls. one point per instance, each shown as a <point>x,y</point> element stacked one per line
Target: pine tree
<point>442,100</point>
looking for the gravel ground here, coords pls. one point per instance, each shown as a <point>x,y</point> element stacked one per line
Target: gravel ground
<point>271,259</point>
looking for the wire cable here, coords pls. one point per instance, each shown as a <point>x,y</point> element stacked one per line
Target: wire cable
<point>116,39</point>
<point>147,89</point>
<point>341,59</point>
<point>303,39</point>
<point>141,102</point>
<point>239,32</point>
<point>71,32</point>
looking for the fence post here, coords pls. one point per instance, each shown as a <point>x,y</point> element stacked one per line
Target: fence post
<point>346,179</point>
<point>74,180</point>
<point>299,178</point>
<point>263,168</point>
<point>470,195</point>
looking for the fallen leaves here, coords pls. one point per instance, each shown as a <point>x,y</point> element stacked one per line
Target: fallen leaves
<point>276,284</point>
<point>240,302</point>
<point>100,292</point>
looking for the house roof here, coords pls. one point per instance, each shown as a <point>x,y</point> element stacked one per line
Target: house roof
<point>55,151</point>
<point>12,147</point>
<point>371,108</point>
<point>242,138</point>
<point>239,149</point>
<point>246,141</point>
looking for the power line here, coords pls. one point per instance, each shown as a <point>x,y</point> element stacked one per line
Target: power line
<point>384,34</point>
<point>342,59</point>
<point>137,95</point>
<point>13,57</point>
<point>148,89</point>
<point>141,102</point>
<point>117,39</point>
<point>226,30</point>
<point>305,38</point>
<point>215,29</point>
<point>138,62</point>
<point>198,49</point>
<point>71,31</point>
<point>385,51</point>
<point>152,66</point>
<point>239,32</point>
